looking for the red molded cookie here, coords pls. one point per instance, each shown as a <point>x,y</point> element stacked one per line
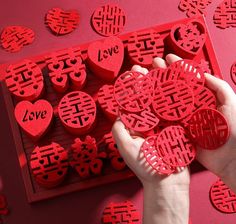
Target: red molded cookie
<point>107,102</point>
<point>153,157</point>
<point>208,128</point>
<point>194,7</point>
<point>188,39</point>
<point>77,112</point>
<point>142,121</point>
<point>117,161</point>
<point>173,100</point>
<point>66,68</point>
<point>62,22</point>
<point>25,80</point>
<point>143,46</point>
<point>203,98</point>
<point>133,91</point>
<point>105,58</point>
<point>85,157</point>
<point>108,20</point>
<point>223,199</point>
<point>175,147</point>
<point>224,16</point>
<point>233,72</point>
<point>49,164</point>
<point>14,38</point>
<point>35,118</point>
<point>122,213</point>
<point>187,71</point>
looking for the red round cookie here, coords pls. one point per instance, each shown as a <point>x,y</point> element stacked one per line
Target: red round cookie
<point>133,91</point>
<point>208,128</point>
<point>153,157</point>
<point>14,38</point>
<point>187,71</point>
<point>49,164</point>
<point>107,101</point>
<point>222,198</point>
<point>143,46</point>
<point>77,112</point>
<point>142,121</point>
<point>108,20</point>
<point>173,100</point>
<point>25,80</point>
<point>175,147</point>
<point>62,22</point>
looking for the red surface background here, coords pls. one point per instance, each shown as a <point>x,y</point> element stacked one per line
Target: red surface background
<point>86,207</point>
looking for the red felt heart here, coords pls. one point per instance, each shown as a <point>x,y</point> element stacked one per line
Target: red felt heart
<point>13,38</point>
<point>188,39</point>
<point>224,16</point>
<point>35,118</point>
<point>105,58</point>
<point>62,22</point>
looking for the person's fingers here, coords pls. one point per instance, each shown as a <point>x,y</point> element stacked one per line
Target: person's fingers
<point>171,58</point>
<point>138,68</point>
<point>159,63</point>
<point>224,92</point>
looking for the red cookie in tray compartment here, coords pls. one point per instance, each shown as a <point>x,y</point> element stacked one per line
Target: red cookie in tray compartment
<point>66,68</point>
<point>105,58</point>
<point>77,112</point>
<point>14,38</point>
<point>133,91</point>
<point>153,156</point>
<point>25,80</point>
<point>222,198</point>
<point>49,164</point>
<point>85,157</point>
<point>108,20</point>
<point>188,39</point>
<point>175,147</point>
<point>107,101</point>
<point>34,119</point>
<point>117,161</point>
<point>194,7</point>
<point>122,213</point>
<point>208,128</point>
<point>173,100</point>
<point>187,71</point>
<point>224,16</point>
<point>142,121</point>
<point>62,22</point>
<point>144,46</point>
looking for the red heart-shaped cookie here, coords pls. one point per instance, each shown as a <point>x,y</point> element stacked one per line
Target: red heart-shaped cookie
<point>35,118</point>
<point>13,38</point>
<point>62,22</point>
<point>188,39</point>
<point>105,58</point>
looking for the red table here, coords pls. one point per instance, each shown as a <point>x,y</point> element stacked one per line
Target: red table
<point>86,207</point>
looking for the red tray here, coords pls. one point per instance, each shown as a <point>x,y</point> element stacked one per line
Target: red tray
<point>73,182</point>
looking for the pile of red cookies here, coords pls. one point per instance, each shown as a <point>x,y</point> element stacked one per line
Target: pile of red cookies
<point>174,110</point>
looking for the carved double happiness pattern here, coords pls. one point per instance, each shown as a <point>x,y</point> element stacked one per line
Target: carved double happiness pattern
<point>133,91</point>
<point>223,198</point>
<point>175,147</point>
<point>123,212</point>
<point>173,100</point>
<point>77,109</point>
<point>108,20</point>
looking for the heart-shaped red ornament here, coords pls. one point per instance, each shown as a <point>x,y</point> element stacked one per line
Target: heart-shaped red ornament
<point>13,38</point>
<point>62,22</point>
<point>105,58</point>
<point>35,118</point>
<point>188,39</point>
